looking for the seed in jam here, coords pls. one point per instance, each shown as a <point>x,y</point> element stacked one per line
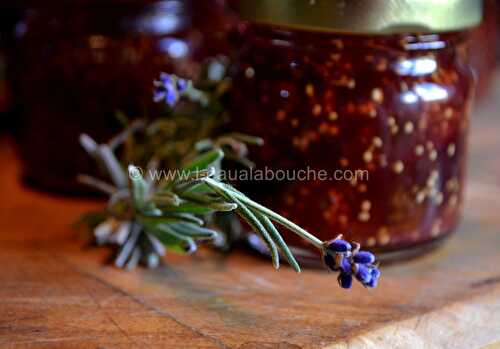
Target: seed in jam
<point>419,150</point>
<point>399,167</point>
<point>409,127</point>
<point>377,95</point>
<point>451,150</point>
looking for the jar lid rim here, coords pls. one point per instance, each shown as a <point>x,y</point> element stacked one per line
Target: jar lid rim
<point>365,16</point>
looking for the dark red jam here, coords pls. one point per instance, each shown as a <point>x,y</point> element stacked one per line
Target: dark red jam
<point>390,112</point>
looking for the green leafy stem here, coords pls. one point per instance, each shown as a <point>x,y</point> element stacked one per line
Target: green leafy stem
<point>201,183</point>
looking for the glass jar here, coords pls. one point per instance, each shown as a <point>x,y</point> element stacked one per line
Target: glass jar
<point>373,113</point>
<point>78,62</point>
<point>8,17</point>
<point>483,50</point>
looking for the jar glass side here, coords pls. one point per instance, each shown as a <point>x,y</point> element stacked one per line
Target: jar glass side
<point>385,117</point>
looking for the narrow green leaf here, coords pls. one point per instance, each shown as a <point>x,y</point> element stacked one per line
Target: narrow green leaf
<point>112,165</point>
<point>204,161</point>
<point>152,243</point>
<point>171,239</point>
<point>172,218</point>
<point>187,207</point>
<point>166,198</point>
<point>139,186</point>
<point>134,258</point>
<point>246,138</point>
<point>241,160</point>
<point>255,223</point>
<point>192,176</point>
<point>200,198</point>
<point>89,144</point>
<point>278,239</point>
<point>97,184</point>
<point>224,188</point>
<point>172,243</point>
<point>195,231</point>
<point>150,210</point>
<point>204,144</point>
<point>194,187</point>
<point>127,248</point>
<point>199,209</point>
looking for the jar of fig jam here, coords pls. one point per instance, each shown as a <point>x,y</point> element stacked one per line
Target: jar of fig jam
<point>8,16</point>
<point>374,93</point>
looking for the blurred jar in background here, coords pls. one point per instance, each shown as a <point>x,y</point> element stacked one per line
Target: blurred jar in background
<point>369,106</point>
<point>8,18</point>
<point>5,96</point>
<point>483,48</point>
<point>79,61</point>
<point>498,29</point>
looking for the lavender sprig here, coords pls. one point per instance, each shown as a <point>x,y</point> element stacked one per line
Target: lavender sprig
<point>145,218</point>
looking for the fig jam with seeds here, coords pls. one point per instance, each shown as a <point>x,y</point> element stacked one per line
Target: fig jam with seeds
<point>386,116</point>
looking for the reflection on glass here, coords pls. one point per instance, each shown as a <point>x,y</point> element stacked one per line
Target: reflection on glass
<point>175,48</point>
<point>419,66</point>
<point>431,92</point>
<point>163,18</point>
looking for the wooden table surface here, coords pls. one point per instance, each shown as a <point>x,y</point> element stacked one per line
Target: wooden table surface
<point>56,292</point>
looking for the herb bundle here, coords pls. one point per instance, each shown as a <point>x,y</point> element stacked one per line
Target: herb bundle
<point>147,215</point>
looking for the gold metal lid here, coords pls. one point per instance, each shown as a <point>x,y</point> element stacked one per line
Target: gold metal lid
<point>365,16</point>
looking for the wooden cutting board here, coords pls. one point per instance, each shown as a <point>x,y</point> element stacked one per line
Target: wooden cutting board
<point>57,292</point>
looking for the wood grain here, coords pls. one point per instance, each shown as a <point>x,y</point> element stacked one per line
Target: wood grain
<point>56,292</point>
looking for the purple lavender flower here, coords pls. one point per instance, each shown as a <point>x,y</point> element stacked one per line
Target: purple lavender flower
<point>375,276</point>
<point>166,78</point>
<point>339,245</point>
<point>345,265</point>
<point>329,261</point>
<point>364,257</point>
<point>363,273</point>
<point>172,96</point>
<point>169,88</point>
<point>345,280</point>
<point>339,256</point>
<point>182,85</point>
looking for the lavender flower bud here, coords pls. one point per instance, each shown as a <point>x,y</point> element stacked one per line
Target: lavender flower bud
<point>345,280</point>
<point>336,262</point>
<point>165,78</point>
<point>168,88</point>
<point>159,94</point>
<point>339,246</point>
<point>345,266</point>
<point>329,261</point>
<point>172,96</point>
<point>363,274</point>
<point>364,257</point>
<point>182,85</point>
<point>375,276</point>
<point>375,273</point>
